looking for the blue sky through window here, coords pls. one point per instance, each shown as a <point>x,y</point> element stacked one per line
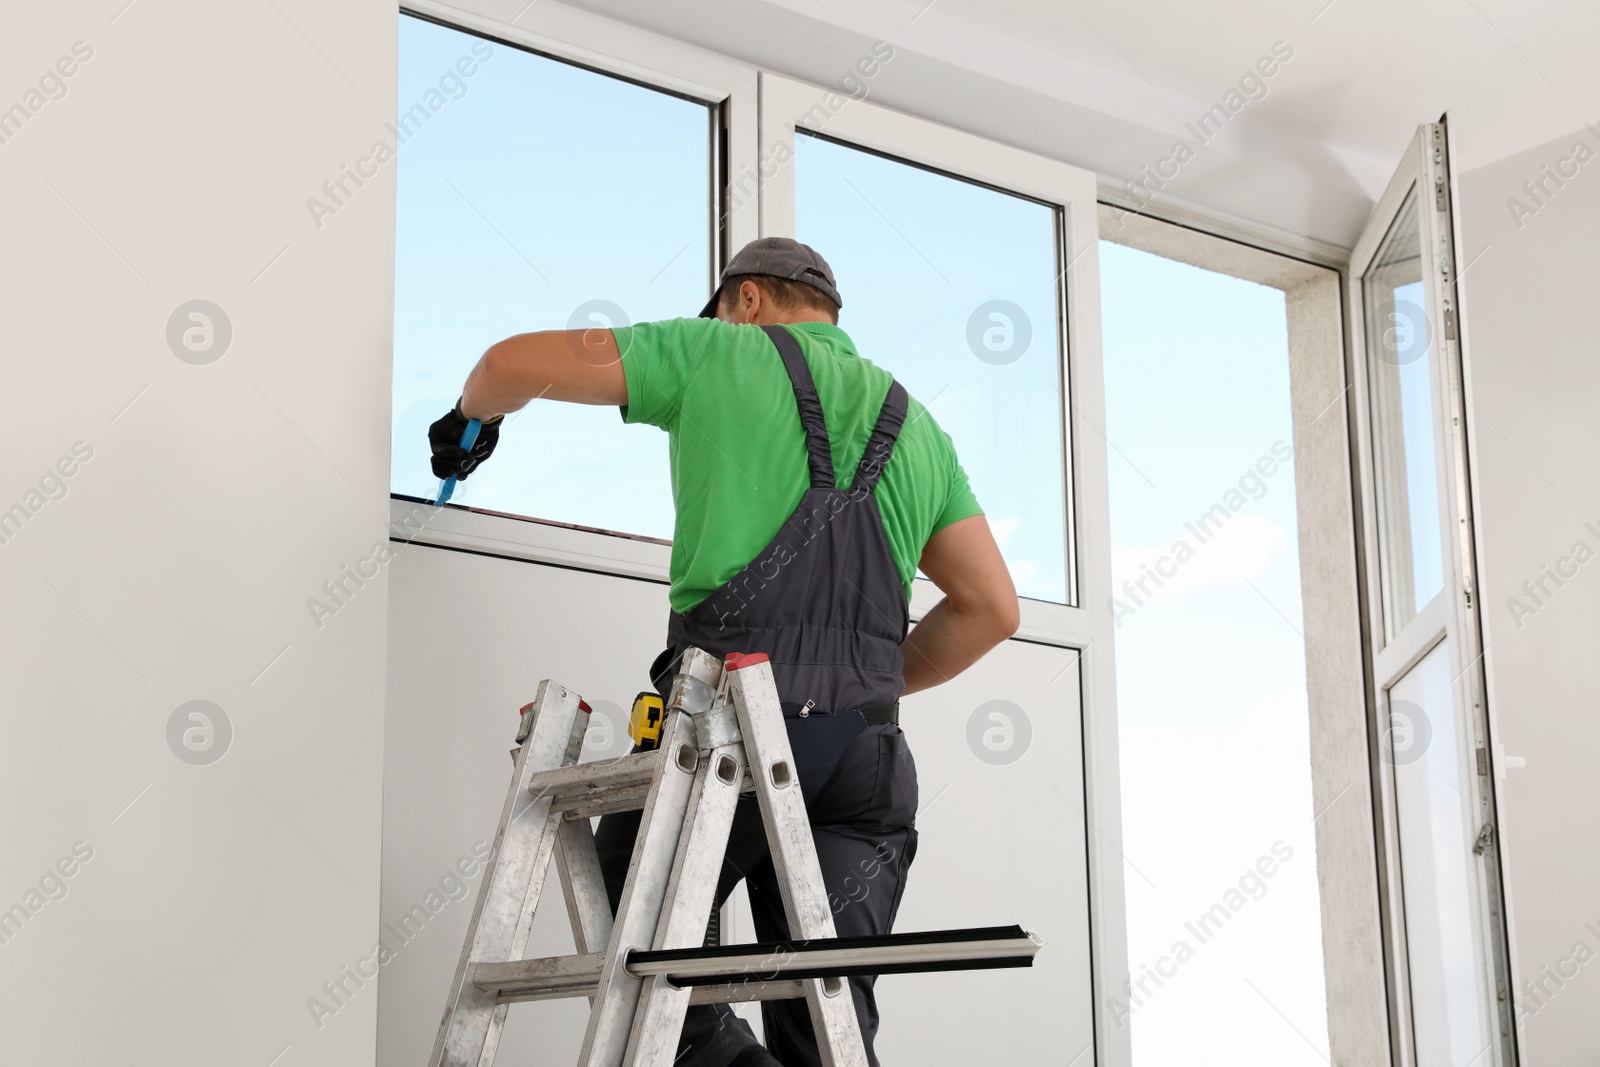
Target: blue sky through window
<point>534,190</point>
<point>953,288</point>
<point>1211,699</point>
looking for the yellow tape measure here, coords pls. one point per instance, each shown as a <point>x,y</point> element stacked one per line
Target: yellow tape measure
<point>644,724</point>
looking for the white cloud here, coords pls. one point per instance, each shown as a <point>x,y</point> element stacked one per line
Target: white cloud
<point>1240,550</point>
<point>1022,571</point>
<point>1003,528</point>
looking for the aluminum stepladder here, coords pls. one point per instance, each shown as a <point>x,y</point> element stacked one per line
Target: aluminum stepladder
<point>724,735</point>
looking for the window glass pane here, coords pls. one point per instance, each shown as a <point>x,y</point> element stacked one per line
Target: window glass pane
<point>537,195</point>
<point>1438,826</point>
<point>1399,344</point>
<point>1223,912</point>
<point>953,288</point>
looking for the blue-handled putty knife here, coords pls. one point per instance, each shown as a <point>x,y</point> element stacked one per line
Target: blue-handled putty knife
<point>469,437</point>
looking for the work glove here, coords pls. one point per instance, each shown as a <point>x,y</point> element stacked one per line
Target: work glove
<point>449,458</point>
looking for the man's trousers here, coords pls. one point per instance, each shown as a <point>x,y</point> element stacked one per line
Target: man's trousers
<point>860,788</point>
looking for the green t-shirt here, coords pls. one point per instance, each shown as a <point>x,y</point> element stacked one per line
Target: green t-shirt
<point>738,451</point>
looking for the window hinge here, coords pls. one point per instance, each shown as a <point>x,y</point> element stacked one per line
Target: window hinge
<point>1449,323</point>
<point>1485,835</point>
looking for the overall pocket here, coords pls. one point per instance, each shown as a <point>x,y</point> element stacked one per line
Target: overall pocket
<point>894,799</point>
<point>873,787</point>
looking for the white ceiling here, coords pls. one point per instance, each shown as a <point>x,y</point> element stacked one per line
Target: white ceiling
<point>1109,86</point>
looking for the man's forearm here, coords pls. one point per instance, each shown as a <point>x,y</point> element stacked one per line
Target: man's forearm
<point>947,641</point>
<point>578,366</point>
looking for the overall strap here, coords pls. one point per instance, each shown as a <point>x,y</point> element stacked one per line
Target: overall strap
<point>810,404</point>
<point>880,445</point>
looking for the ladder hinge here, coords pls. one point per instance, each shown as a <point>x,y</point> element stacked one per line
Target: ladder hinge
<point>1485,835</point>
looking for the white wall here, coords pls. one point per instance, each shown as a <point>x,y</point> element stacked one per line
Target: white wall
<point>1534,384</point>
<point>215,501</point>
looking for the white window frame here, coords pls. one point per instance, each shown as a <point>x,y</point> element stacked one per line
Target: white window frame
<point>613,48</point>
<point>919,141</point>
<point>1088,625</point>
<point>1453,614</point>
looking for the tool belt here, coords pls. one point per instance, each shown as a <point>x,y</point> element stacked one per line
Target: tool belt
<point>877,714</point>
<point>644,724</point>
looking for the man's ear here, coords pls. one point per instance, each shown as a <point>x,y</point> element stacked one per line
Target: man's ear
<point>750,300</point>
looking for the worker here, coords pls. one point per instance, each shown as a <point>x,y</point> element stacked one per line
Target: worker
<point>809,488</point>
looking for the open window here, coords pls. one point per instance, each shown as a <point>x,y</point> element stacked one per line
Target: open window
<point>1450,983</point>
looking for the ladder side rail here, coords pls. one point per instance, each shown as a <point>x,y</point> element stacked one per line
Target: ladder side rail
<point>794,855</point>
<point>639,912</point>
<point>655,850</point>
<point>692,887</point>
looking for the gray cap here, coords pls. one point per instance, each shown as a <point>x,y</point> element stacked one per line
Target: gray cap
<point>780,257</point>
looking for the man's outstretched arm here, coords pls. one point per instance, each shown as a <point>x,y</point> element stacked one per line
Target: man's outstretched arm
<point>979,609</point>
<point>577,366</point>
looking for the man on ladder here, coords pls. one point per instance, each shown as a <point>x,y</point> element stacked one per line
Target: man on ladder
<point>809,488</point>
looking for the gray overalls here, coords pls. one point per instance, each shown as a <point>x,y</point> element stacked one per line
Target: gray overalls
<point>824,601</point>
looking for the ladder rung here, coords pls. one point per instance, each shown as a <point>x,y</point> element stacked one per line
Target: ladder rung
<point>557,977</point>
<point>783,989</point>
<point>600,787</point>
<point>547,978</point>
<point>605,802</point>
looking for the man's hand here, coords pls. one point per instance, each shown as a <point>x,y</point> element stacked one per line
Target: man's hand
<point>979,609</point>
<point>450,460</point>
<point>579,366</point>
